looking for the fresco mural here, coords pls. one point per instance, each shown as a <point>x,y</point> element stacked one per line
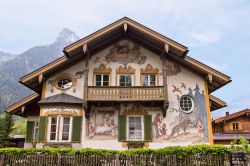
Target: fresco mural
<point>102,125</point>
<point>125,52</point>
<point>183,126</point>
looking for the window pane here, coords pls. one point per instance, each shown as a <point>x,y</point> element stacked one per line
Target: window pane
<point>98,84</point>
<point>65,136</point>
<point>106,78</point>
<point>66,120</point>
<point>122,83</point>
<point>66,128</point>
<point>122,80</point>
<point>53,128</point>
<point>53,120</point>
<point>145,80</point>
<point>152,78</point>
<point>138,119</point>
<point>98,78</point>
<point>52,136</point>
<point>128,80</point>
<point>105,83</point>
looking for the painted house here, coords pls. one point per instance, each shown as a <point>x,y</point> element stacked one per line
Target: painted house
<point>227,127</point>
<point>124,86</point>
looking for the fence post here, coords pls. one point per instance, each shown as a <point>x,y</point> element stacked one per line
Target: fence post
<point>2,158</point>
<point>117,160</point>
<point>59,158</point>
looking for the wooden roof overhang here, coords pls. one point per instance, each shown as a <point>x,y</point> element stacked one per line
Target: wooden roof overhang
<point>127,28</point>
<point>232,116</point>
<point>216,103</point>
<point>26,106</point>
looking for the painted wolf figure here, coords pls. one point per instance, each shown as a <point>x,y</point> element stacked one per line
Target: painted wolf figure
<point>181,126</point>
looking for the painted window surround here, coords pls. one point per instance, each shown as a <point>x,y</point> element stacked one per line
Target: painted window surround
<point>59,128</point>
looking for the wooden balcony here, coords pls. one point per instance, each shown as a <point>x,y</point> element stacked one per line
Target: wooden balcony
<point>118,93</point>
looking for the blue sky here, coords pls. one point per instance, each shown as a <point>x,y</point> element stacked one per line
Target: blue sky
<point>217,32</point>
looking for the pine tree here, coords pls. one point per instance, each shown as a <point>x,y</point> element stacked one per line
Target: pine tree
<point>6,124</point>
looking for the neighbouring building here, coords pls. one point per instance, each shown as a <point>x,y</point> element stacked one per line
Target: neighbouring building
<point>124,86</point>
<point>231,125</point>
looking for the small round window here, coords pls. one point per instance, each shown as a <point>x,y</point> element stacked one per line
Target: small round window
<point>186,104</point>
<point>64,83</point>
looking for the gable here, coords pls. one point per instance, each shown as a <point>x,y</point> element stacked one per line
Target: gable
<point>126,29</point>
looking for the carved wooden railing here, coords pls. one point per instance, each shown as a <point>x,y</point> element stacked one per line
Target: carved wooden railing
<point>96,93</point>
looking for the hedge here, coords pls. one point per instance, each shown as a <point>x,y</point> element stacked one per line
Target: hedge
<point>176,150</point>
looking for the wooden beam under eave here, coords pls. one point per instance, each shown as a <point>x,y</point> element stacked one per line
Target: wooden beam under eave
<point>209,77</point>
<point>41,78</point>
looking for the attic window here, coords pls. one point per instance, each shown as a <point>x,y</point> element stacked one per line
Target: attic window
<point>64,83</point>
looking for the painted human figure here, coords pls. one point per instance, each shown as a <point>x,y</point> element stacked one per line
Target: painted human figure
<point>157,125</point>
<point>108,126</point>
<point>164,130</point>
<point>91,129</point>
<point>110,122</point>
<point>200,128</point>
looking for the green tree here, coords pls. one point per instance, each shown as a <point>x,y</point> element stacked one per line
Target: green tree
<point>6,124</point>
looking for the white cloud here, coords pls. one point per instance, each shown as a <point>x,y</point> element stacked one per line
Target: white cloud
<point>206,37</point>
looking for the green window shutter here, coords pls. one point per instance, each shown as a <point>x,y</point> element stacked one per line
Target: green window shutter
<point>42,129</point>
<point>122,128</point>
<point>76,129</point>
<point>148,127</point>
<point>30,131</point>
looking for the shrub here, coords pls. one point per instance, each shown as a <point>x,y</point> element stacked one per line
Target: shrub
<point>239,143</point>
<point>176,150</point>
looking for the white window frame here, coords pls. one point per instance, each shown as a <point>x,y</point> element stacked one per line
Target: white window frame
<point>101,79</point>
<point>132,78</point>
<point>148,83</point>
<point>142,127</point>
<point>59,128</point>
<point>192,100</point>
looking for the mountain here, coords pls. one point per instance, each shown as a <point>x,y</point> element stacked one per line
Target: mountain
<point>5,56</point>
<point>10,71</point>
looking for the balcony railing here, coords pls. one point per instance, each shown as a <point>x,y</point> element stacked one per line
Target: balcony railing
<point>133,93</point>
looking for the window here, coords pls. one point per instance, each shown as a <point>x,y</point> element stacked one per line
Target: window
<point>235,126</point>
<point>102,80</point>
<point>64,83</point>
<point>59,128</point>
<point>125,80</point>
<point>135,128</point>
<point>148,80</point>
<point>186,104</point>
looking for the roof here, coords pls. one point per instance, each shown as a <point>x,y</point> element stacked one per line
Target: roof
<point>130,29</point>
<point>18,105</point>
<point>220,137</point>
<point>61,98</point>
<point>120,25</point>
<point>216,103</point>
<point>232,116</point>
